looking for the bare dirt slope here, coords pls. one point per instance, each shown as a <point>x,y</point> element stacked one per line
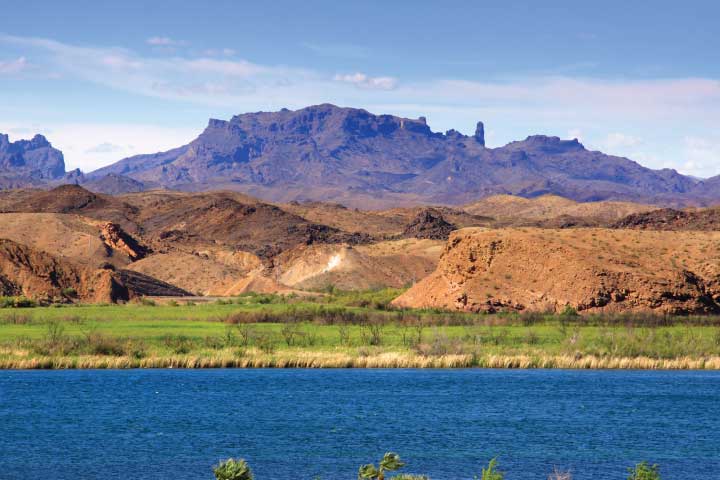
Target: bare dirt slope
<point>83,240</point>
<point>203,272</point>
<point>513,210</point>
<point>590,270</point>
<point>392,263</point>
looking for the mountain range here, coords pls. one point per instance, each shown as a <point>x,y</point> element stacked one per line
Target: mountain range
<point>356,158</point>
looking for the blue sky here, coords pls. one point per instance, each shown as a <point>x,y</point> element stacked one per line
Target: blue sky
<point>104,81</point>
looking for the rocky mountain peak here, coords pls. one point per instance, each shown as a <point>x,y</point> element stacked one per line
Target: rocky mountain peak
<point>480,133</point>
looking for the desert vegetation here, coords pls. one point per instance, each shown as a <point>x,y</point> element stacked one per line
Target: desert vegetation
<point>232,469</point>
<point>341,329</point>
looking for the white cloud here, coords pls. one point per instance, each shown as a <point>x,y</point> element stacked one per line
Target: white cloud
<point>363,81</point>
<point>621,140</point>
<point>105,147</point>
<point>164,42</point>
<point>221,52</point>
<point>79,141</point>
<point>575,133</point>
<point>702,156</point>
<point>13,67</point>
<point>601,111</point>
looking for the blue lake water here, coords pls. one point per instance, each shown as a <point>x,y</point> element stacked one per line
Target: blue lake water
<point>298,424</point>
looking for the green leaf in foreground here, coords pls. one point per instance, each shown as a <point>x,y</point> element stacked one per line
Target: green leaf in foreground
<point>644,471</point>
<point>490,473</point>
<point>232,469</point>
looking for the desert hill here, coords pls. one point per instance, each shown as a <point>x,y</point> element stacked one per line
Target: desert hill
<point>671,219</point>
<point>225,242</point>
<point>509,209</point>
<point>39,275</point>
<point>590,270</point>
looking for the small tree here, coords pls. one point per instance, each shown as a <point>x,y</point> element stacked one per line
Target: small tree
<point>490,473</point>
<point>232,469</point>
<point>390,462</point>
<point>644,471</point>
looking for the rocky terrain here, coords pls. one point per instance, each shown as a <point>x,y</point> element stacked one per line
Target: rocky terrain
<point>587,270</point>
<point>501,253</point>
<point>25,271</point>
<point>28,162</point>
<point>707,219</point>
<point>358,159</point>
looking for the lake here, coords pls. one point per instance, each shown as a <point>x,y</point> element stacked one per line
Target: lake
<point>299,424</point>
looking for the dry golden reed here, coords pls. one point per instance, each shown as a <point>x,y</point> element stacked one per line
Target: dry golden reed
<point>310,359</point>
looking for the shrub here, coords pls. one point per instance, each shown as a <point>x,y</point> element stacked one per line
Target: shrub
<point>289,332</point>
<point>266,343</point>
<point>559,475</point>
<point>390,462</point>
<point>17,302</point>
<point>644,471</point>
<point>344,332</point>
<point>69,292</point>
<point>232,469</point>
<point>490,473</point>
<point>372,333</point>
<point>179,344</point>
<point>100,344</point>
<point>16,319</point>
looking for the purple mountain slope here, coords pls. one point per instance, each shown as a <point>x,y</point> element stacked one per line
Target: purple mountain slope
<point>29,162</point>
<point>351,156</point>
<point>326,152</point>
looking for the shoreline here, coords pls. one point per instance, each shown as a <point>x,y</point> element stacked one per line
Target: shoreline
<point>385,360</point>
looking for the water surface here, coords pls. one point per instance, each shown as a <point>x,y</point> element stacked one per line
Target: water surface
<point>295,424</point>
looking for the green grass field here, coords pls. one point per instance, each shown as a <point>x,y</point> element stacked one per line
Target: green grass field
<point>354,327</point>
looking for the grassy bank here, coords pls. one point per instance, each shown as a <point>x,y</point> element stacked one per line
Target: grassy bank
<point>344,330</point>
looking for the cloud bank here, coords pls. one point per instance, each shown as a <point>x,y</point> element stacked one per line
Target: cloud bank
<point>625,116</point>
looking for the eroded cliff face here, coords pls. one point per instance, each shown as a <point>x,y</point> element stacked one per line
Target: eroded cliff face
<point>39,275</point>
<point>590,270</point>
<point>117,239</point>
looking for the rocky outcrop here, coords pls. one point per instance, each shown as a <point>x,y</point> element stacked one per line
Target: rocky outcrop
<point>117,239</point>
<point>29,161</point>
<point>590,270</point>
<point>671,219</point>
<point>44,277</point>
<point>429,224</point>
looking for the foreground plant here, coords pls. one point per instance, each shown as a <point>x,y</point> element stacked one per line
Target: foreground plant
<point>390,462</point>
<point>232,469</point>
<point>490,473</point>
<point>560,475</point>
<point>644,471</point>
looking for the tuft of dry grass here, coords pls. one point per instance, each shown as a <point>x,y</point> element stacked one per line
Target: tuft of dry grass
<point>256,358</point>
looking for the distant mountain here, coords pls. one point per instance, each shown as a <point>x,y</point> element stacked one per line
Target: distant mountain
<point>29,162</point>
<point>356,158</point>
<point>351,156</point>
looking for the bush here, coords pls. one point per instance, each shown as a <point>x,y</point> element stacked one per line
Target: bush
<point>643,471</point>
<point>179,344</point>
<point>560,475</point>
<point>69,292</point>
<point>490,473</point>
<point>100,344</point>
<point>390,462</point>
<point>232,469</point>
<point>17,302</point>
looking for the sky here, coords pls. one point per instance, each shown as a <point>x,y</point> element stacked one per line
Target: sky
<point>106,80</point>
